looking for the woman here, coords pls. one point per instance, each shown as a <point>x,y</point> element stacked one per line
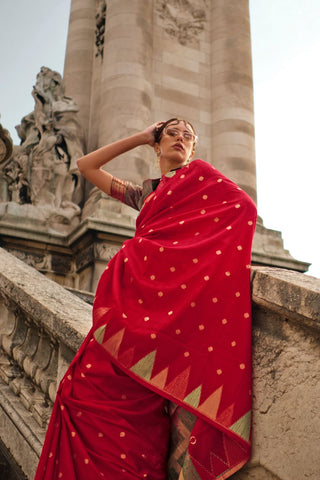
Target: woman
<point>161,387</point>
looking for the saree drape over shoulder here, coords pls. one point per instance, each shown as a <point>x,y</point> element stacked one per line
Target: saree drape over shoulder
<point>173,313</point>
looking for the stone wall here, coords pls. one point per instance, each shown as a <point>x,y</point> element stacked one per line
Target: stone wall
<point>286,367</point>
<point>42,325</point>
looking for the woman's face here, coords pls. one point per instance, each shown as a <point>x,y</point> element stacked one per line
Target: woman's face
<point>176,144</point>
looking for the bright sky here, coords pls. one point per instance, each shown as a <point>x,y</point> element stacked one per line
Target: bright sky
<point>286,67</point>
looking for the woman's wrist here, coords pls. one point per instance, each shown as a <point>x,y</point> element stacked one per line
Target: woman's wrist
<point>144,138</point>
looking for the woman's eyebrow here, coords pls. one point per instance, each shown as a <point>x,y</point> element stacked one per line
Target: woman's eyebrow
<point>185,130</point>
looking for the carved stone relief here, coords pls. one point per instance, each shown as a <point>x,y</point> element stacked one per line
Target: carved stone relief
<point>100,26</point>
<point>41,262</point>
<point>103,251</point>
<point>94,251</point>
<point>84,257</point>
<point>183,20</point>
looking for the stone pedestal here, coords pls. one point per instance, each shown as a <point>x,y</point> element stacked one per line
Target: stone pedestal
<point>268,250</point>
<point>75,260</point>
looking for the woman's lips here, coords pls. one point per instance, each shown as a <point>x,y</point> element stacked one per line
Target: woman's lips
<point>178,146</point>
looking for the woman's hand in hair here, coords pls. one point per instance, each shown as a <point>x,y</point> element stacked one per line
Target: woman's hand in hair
<point>150,133</point>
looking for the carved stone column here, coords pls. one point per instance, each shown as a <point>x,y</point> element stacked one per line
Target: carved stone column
<point>126,84</point>
<point>233,149</point>
<point>95,100</point>
<point>79,57</point>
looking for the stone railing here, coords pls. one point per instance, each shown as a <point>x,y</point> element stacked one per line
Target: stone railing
<point>42,326</point>
<point>286,376</point>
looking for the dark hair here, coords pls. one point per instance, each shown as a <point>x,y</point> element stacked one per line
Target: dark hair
<point>158,131</point>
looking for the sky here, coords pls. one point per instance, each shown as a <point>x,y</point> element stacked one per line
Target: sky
<point>286,74</point>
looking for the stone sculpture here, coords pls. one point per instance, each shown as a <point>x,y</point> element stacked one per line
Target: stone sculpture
<point>42,170</point>
<point>5,144</point>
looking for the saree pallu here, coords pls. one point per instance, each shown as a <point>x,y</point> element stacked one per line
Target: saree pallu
<point>104,425</point>
<point>172,312</point>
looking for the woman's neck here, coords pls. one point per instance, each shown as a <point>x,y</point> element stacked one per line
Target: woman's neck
<point>166,167</point>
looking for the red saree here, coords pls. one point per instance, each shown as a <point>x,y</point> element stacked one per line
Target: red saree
<point>173,314</point>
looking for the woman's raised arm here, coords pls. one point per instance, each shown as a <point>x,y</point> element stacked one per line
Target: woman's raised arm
<point>91,164</point>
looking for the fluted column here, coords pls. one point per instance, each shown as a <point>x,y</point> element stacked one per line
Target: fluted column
<point>233,149</point>
<point>79,57</point>
<point>126,84</point>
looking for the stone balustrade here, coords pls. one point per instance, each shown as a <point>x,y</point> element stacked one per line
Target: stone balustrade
<point>286,376</point>
<point>42,325</point>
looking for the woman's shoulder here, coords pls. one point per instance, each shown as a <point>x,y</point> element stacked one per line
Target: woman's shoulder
<point>199,165</point>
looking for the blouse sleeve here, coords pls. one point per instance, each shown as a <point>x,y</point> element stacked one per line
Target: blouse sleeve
<point>126,192</point>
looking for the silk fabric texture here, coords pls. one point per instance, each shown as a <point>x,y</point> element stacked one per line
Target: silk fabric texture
<point>172,311</point>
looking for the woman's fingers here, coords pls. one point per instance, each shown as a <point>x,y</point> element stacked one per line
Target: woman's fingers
<point>151,130</point>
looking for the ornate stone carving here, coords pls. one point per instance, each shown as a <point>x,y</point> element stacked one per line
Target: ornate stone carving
<point>183,20</point>
<point>28,363</point>
<point>104,251</point>
<point>41,262</point>
<point>100,26</point>
<point>84,257</point>
<point>42,170</point>
<point>95,251</point>
<point>6,145</point>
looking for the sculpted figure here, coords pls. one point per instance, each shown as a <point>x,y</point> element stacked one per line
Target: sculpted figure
<point>6,148</point>
<point>5,144</point>
<point>42,170</point>
<point>28,132</point>
<point>16,176</point>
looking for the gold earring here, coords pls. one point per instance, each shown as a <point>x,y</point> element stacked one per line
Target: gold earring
<point>157,160</point>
